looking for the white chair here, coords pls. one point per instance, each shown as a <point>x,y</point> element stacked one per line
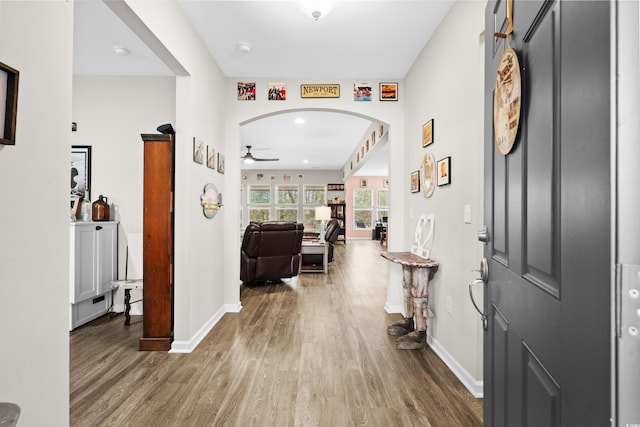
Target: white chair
<point>133,273</point>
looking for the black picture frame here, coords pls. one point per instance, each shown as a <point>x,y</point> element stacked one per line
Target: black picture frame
<point>415,181</point>
<point>8,103</point>
<point>388,91</point>
<point>443,171</point>
<point>80,170</point>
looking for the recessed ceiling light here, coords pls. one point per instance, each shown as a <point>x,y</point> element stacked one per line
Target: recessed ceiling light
<point>299,120</point>
<point>244,47</point>
<point>121,50</point>
<point>305,161</point>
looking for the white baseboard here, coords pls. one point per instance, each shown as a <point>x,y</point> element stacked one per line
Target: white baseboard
<point>389,308</point>
<point>190,345</point>
<point>475,387</point>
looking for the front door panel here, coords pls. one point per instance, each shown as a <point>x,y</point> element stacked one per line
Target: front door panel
<point>547,208</point>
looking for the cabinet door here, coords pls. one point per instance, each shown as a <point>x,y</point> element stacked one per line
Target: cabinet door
<point>84,278</point>
<point>107,242</point>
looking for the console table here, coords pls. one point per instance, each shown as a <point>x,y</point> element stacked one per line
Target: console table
<point>416,273</point>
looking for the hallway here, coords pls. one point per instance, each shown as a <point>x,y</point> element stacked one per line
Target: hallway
<point>310,352</point>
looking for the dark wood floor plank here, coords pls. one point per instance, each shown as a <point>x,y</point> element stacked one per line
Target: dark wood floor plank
<point>312,351</point>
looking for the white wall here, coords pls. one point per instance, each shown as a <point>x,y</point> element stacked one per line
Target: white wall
<point>447,85</point>
<point>111,113</point>
<point>36,39</point>
<point>199,263</point>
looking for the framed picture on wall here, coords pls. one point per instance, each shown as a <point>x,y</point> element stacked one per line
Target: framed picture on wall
<point>8,104</point>
<point>220,162</point>
<point>80,170</point>
<point>198,151</point>
<point>415,181</point>
<point>363,182</point>
<point>388,91</point>
<point>211,158</point>
<point>427,133</point>
<point>444,171</point>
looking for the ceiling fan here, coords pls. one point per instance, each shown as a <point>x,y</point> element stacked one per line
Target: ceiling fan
<point>248,158</point>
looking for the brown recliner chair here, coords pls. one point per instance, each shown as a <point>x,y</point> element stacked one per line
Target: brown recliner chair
<point>270,251</point>
<point>331,236</point>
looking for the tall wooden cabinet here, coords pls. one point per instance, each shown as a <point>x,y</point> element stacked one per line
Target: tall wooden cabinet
<point>339,212</point>
<point>93,266</point>
<point>157,246</point>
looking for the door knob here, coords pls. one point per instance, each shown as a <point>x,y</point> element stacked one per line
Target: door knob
<point>484,278</point>
<point>483,235</point>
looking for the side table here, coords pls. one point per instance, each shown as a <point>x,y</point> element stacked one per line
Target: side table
<point>314,248</point>
<point>416,273</point>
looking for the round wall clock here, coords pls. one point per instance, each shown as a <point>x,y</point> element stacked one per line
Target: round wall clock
<point>506,101</point>
<point>428,173</point>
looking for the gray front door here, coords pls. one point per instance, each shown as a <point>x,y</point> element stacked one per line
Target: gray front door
<point>547,349</point>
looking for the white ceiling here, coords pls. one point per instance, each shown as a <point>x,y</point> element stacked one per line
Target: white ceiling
<point>358,39</point>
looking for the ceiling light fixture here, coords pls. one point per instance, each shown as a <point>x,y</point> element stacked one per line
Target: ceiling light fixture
<point>121,51</point>
<point>244,47</point>
<point>316,14</point>
<point>299,121</point>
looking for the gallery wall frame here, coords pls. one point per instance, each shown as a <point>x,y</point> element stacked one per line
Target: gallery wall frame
<point>80,170</point>
<point>444,171</point>
<point>415,181</point>
<point>220,162</point>
<point>388,91</point>
<point>198,151</point>
<point>211,157</point>
<point>427,133</point>
<point>8,103</point>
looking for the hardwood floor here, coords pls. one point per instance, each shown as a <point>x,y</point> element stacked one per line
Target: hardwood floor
<point>310,352</point>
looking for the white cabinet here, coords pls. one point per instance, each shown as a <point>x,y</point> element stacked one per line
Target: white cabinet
<point>94,265</point>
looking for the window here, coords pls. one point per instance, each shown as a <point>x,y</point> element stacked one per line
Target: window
<point>383,204</point>
<point>314,195</point>
<point>259,203</point>
<point>287,203</point>
<point>362,208</point>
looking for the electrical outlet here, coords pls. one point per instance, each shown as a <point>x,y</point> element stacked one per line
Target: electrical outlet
<point>449,305</point>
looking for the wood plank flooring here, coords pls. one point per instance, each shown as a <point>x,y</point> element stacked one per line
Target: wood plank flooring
<point>312,351</point>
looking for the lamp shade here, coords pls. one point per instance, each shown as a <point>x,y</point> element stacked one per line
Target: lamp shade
<point>323,213</point>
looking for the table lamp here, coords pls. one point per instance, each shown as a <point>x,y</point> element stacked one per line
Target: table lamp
<point>323,213</point>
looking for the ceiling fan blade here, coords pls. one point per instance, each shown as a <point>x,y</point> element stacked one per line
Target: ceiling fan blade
<point>265,160</point>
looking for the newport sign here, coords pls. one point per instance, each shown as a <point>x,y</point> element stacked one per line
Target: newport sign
<point>320,91</point>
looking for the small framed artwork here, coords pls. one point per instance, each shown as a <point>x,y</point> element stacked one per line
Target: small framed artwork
<point>277,92</point>
<point>366,146</point>
<point>286,177</point>
<point>220,162</point>
<point>444,171</point>
<point>427,133</point>
<point>380,130</point>
<point>415,181</point>
<point>80,170</point>
<point>198,151</point>
<point>363,182</point>
<point>373,138</point>
<point>8,104</point>
<point>388,91</point>
<point>211,158</point>
<point>385,183</point>
<point>246,91</point>
<point>362,91</point>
